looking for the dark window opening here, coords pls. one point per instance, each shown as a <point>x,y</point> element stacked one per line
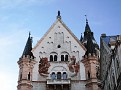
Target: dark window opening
<point>59,75</point>
<point>51,57</point>
<point>55,57</point>
<point>66,58</point>
<point>62,57</point>
<point>53,76</point>
<point>29,76</point>
<point>88,75</point>
<point>59,46</point>
<point>64,75</point>
<point>21,76</point>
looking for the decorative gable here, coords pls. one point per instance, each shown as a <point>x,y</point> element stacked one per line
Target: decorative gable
<point>59,45</point>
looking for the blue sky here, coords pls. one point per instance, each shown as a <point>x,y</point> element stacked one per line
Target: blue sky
<point>18,17</point>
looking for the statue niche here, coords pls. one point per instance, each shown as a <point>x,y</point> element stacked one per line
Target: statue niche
<point>43,66</point>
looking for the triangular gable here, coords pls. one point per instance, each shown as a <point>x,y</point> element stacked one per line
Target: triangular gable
<point>59,20</point>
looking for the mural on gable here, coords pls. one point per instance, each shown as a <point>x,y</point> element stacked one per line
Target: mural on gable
<point>43,66</point>
<point>73,66</point>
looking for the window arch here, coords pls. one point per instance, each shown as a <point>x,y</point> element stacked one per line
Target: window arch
<point>58,75</point>
<point>64,75</point>
<point>64,56</point>
<point>88,75</point>
<point>53,56</point>
<point>28,77</point>
<point>20,76</point>
<point>53,76</point>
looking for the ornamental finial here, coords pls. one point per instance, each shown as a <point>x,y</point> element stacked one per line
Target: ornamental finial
<point>58,17</point>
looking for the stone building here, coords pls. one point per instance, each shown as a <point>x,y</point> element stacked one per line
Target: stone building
<point>60,61</point>
<point>110,62</point>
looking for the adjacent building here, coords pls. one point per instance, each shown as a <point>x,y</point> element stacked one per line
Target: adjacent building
<point>60,61</point>
<point>110,62</point>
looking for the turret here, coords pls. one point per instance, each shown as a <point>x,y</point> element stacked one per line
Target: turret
<point>90,59</point>
<point>28,48</point>
<point>88,37</point>
<point>26,64</point>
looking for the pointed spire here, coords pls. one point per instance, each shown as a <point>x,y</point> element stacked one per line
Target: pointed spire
<point>28,47</point>
<point>86,19</point>
<point>87,28</point>
<point>58,16</point>
<point>81,38</point>
<point>90,46</point>
<point>29,34</point>
<point>89,40</point>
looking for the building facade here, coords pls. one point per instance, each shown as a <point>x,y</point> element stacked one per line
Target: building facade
<point>60,61</point>
<point>110,62</point>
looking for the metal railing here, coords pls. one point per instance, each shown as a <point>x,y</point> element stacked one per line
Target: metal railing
<point>58,81</point>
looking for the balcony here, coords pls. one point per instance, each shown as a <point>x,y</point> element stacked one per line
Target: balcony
<point>58,81</point>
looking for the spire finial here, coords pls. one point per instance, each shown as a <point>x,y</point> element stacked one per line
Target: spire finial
<point>29,33</point>
<point>28,47</point>
<point>81,38</point>
<point>58,13</point>
<point>58,17</point>
<point>86,19</point>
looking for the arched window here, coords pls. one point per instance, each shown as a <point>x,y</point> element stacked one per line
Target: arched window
<point>66,57</point>
<point>51,57</point>
<point>28,76</point>
<point>64,75</point>
<point>20,76</point>
<point>62,57</point>
<point>58,75</point>
<point>89,75</point>
<point>55,57</point>
<point>53,76</point>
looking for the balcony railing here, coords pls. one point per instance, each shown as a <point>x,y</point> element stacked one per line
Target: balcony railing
<point>58,81</point>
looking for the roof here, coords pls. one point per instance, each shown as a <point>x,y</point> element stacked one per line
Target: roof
<point>106,39</point>
<point>28,47</point>
<point>59,20</point>
<point>88,40</point>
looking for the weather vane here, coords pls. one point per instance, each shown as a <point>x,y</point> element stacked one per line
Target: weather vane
<point>86,19</point>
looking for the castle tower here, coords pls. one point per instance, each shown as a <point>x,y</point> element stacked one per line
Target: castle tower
<point>90,59</point>
<point>26,63</point>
